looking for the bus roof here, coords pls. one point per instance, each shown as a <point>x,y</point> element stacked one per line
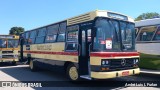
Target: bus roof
<point>97,13</point>
<point>147,22</point>
<point>9,36</point>
<point>90,16</point>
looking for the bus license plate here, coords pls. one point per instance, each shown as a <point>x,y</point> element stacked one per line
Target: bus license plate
<point>126,73</point>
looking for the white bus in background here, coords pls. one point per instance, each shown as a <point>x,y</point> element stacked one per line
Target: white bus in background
<point>148,36</point>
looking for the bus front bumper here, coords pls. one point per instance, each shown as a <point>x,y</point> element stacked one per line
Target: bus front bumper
<point>8,60</point>
<point>114,74</point>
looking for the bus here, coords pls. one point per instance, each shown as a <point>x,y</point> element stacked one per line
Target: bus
<point>148,36</point>
<point>9,48</point>
<point>148,42</point>
<point>96,45</point>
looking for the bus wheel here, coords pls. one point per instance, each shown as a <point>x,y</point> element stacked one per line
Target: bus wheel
<point>72,72</point>
<point>32,66</point>
<point>13,63</point>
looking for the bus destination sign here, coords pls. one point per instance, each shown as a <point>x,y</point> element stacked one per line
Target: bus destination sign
<point>117,16</point>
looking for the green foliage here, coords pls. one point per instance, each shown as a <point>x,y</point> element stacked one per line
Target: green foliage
<point>149,61</point>
<point>147,16</point>
<point>16,30</point>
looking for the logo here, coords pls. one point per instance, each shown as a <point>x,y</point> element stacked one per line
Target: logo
<point>20,84</point>
<point>123,62</point>
<point>6,84</point>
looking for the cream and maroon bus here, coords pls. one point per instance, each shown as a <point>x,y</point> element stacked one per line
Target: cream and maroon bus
<point>95,45</point>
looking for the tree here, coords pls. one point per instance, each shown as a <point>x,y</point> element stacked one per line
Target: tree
<point>16,30</point>
<point>148,16</point>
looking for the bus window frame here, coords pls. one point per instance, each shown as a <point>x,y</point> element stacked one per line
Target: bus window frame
<point>158,26</point>
<point>94,31</point>
<point>141,30</point>
<point>66,41</point>
<point>53,27</point>
<point>136,31</point>
<point>47,31</point>
<point>60,33</point>
<point>32,37</point>
<point>60,27</point>
<point>26,39</point>
<point>58,37</point>
<point>37,35</point>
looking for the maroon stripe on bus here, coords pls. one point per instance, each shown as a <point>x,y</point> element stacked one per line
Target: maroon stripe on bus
<point>53,53</point>
<point>97,54</point>
<point>114,54</point>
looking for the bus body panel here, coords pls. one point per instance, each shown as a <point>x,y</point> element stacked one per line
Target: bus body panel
<point>50,52</point>
<point>148,48</point>
<point>148,28</point>
<point>114,74</point>
<point>79,28</point>
<point>148,42</point>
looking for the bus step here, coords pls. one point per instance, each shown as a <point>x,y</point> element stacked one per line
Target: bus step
<point>86,77</point>
<point>25,62</point>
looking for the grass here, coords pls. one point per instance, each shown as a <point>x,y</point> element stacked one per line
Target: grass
<point>148,61</point>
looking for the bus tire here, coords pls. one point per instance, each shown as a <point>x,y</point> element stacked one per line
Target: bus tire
<point>13,63</point>
<point>28,60</point>
<point>72,72</point>
<point>32,66</point>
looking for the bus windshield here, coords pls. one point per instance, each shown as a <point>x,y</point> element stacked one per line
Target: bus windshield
<point>12,43</point>
<point>127,35</point>
<point>114,35</point>
<point>3,43</point>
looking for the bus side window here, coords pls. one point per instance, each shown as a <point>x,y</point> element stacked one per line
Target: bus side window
<point>32,37</point>
<point>61,33</point>
<point>52,33</point>
<point>71,46</point>
<point>89,35</point>
<point>146,33</point>
<point>61,38</point>
<point>41,36</point>
<point>136,31</point>
<point>157,35</point>
<point>26,36</point>
<point>72,38</point>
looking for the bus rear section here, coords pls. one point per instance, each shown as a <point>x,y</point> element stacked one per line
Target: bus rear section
<point>96,45</point>
<point>9,48</point>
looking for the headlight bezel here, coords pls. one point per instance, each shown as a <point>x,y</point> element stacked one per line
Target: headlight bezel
<point>136,61</point>
<point>15,56</point>
<point>105,62</point>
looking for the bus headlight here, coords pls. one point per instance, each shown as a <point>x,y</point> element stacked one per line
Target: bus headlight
<point>15,56</point>
<point>105,62</point>
<point>135,61</point>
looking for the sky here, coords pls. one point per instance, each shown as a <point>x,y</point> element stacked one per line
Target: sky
<point>31,14</point>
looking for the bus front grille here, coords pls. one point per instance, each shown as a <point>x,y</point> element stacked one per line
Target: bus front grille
<point>7,56</point>
<point>118,64</point>
<point>7,52</point>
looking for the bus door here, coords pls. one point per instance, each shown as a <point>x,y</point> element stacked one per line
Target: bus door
<point>84,45</point>
<point>21,42</point>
